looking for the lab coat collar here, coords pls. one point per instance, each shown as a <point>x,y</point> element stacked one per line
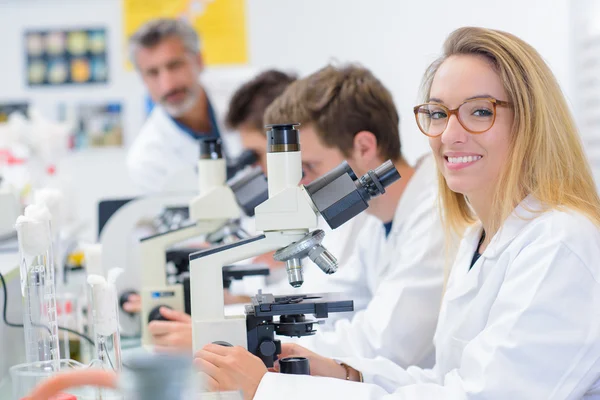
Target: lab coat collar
<point>471,278</point>
<point>522,215</point>
<point>423,179</point>
<point>396,225</point>
<point>527,210</point>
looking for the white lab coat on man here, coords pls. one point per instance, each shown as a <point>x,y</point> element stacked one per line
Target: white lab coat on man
<point>164,158</point>
<point>523,323</point>
<point>398,281</point>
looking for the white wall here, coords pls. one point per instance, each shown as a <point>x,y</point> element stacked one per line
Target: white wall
<point>396,39</point>
<point>585,50</point>
<point>98,173</point>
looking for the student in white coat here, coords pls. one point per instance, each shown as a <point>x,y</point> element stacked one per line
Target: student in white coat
<point>166,53</point>
<point>246,115</point>
<point>395,271</point>
<point>247,106</point>
<point>395,275</point>
<point>520,316</point>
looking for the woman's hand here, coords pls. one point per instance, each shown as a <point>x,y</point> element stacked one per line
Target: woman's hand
<point>319,365</point>
<point>230,369</point>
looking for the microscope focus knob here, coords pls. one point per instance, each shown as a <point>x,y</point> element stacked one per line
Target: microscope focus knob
<point>155,315</point>
<point>270,348</point>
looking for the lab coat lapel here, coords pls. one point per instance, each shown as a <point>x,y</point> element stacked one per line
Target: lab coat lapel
<point>421,181</point>
<point>528,209</point>
<point>464,284</point>
<point>463,281</point>
<point>179,141</point>
<point>389,244</point>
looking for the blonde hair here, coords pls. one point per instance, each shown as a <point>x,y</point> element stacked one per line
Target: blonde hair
<point>546,155</point>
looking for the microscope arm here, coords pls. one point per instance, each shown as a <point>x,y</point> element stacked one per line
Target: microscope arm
<point>116,234</point>
<point>153,249</point>
<point>155,291</point>
<point>209,323</point>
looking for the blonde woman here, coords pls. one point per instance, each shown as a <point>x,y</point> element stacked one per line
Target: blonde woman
<point>521,315</point>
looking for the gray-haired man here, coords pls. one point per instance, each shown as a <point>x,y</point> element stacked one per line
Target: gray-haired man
<point>166,53</point>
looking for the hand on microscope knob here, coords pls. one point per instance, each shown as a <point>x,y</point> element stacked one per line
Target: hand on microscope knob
<point>174,334</point>
<point>230,369</point>
<point>319,365</point>
<point>133,304</point>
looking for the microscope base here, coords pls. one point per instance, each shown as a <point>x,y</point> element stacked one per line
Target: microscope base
<point>169,296</point>
<point>231,330</point>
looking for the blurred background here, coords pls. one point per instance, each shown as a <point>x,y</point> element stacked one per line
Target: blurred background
<point>67,60</point>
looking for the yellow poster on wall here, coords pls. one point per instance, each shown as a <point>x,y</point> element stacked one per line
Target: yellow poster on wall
<point>220,23</point>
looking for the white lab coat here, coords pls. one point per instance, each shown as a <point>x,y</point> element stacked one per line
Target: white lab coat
<point>523,323</point>
<point>398,282</point>
<point>164,158</point>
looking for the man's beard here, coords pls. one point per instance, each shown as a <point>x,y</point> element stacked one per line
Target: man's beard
<point>178,110</point>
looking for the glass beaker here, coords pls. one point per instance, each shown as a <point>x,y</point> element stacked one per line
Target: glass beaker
<point>27,377</point>
<point>24,377</point>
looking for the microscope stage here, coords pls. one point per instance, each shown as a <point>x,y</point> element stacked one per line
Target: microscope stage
<point>267,305</point>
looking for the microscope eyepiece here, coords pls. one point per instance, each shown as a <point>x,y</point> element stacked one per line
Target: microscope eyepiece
<point>375,181</point>
<point>340,196</point>
<point>283,138</point>
<point>387,173</point>
<point>211,149</point>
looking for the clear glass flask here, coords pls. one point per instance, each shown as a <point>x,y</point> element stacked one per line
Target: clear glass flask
<point>38,286</point>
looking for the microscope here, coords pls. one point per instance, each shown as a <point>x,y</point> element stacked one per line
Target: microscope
<point>217,208</point>
<point>286,220</point>
<point>118,220</point>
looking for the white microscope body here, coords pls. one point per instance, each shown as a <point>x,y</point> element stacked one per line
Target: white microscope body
<point>285,219</point>
<point>213,208</point>
<point>116,239</point>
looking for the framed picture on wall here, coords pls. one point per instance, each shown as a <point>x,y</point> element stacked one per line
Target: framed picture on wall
<point>66,57</point>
